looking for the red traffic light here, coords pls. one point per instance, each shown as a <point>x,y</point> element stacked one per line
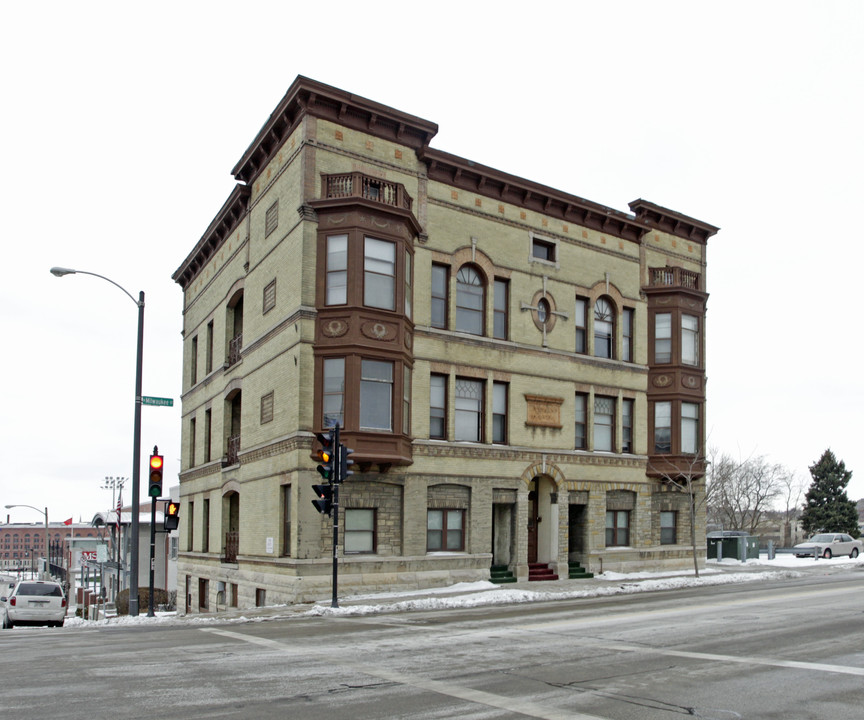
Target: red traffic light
<point>324,503</point>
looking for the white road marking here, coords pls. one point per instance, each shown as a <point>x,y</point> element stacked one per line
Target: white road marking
<point>442,688</point>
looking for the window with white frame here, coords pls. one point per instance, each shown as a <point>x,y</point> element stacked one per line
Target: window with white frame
<point>689,340</point>
<point>499,412</point>
<point>689,428</point>
<point>627,335</point>
<point>668,528</point>
<point>469,410</point>
<point>334,392</point>
<point>499,329</point>
<point>604,329</point>
<point>409,294</point>
<point>379,274</point>
<point>581,421</point>
<point>376,395</point>
<point>662,427</point>
<point>470,300</point>
<point>604,423</point>
<point>360,530</point>
<point>438,305</point>
<point>437,406</point>
<point>337,270</point>
<point>581,315</point>
<point>663,338</point>
<point>627,425</point>
<point>406,400</point>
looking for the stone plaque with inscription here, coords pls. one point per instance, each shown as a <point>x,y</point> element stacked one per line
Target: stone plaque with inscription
<point>544,411</point>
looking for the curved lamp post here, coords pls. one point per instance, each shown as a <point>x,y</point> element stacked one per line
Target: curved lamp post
<point>136,443</point>
<point>47,572</point>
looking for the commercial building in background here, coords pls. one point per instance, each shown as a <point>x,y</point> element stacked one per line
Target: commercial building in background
<point>23,544</point>
<point>118,541</point>
<point>519,371</point>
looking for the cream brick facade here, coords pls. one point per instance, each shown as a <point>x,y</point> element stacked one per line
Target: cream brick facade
<point>258,328</point>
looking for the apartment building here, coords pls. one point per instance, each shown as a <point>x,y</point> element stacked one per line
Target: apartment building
<point>519,371</point>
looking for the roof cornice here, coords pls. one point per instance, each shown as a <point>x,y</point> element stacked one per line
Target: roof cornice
<point>672,222</point>
<point>310,97</point>
<point>225,222</point>
<point>483,180</point>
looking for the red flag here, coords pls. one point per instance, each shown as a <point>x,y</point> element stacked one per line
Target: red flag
<point>67,522</point>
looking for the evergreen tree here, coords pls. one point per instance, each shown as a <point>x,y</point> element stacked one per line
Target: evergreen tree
<point>826,507</point>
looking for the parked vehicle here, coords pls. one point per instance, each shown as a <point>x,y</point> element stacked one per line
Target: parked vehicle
<point>34,602</point>
<point>828,545</point>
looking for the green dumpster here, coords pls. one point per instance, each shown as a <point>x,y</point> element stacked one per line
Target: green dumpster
<point>731,547</point>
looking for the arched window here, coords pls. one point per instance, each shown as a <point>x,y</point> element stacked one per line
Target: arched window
<point>470,301</point>
<point>604,328</point>
<point>234,328</point>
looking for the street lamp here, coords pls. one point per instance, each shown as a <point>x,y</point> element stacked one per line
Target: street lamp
<point>136,443</point>
<point>47,573</point>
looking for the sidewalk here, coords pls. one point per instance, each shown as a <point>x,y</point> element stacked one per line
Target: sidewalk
<point>479,594</point>
<point>487,593</point>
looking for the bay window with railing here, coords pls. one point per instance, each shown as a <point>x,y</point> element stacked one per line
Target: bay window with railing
<point>364,301</point>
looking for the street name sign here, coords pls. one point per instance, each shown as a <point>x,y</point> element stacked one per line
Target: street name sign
<point>164,402</point>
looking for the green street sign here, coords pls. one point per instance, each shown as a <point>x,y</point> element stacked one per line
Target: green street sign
<point>163,402</point>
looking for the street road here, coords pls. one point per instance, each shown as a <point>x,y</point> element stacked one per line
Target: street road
<point>792,649</point>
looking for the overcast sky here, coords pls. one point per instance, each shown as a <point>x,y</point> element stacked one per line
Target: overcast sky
<point>121,123</point>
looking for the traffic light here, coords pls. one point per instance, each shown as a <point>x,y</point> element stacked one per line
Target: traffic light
<point>172,515</point>
<point>324,503</point>
<point>345,462</point>
<point>326,457</point>
<point>156,463</point>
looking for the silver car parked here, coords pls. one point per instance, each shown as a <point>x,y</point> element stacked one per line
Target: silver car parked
<point>828,545</point>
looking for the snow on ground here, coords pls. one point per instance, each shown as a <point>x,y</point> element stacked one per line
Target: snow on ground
<point>477,594</point>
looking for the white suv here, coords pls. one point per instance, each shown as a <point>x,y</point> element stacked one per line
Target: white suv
<point>34,602</point>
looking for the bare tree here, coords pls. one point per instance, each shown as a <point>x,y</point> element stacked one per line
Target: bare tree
<point>742,492</point>
<point>720,480</point>
<point>792,489</point>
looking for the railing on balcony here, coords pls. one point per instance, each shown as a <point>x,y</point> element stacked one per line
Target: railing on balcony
<point>233,450</point>
<point>675,277</point>
<point>364,186</point>
<point>235,345</point>
<point>232,543</point>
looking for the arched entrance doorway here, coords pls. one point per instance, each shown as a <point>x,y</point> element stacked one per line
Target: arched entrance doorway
<point>542,520</point>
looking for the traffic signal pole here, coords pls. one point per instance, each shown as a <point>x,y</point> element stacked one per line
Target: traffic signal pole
<point>154,490</point>
<point>334,603</point>
<point>150,612</point>
<point>335,461</point>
